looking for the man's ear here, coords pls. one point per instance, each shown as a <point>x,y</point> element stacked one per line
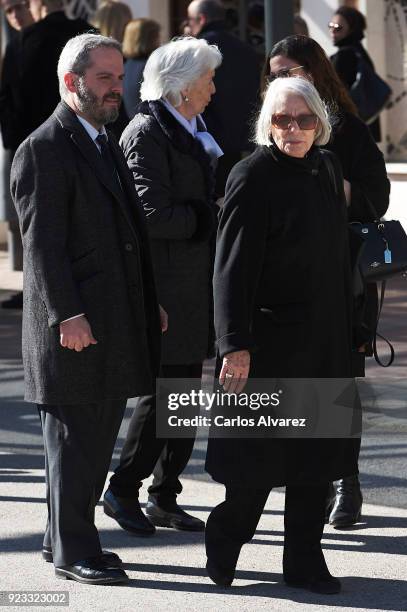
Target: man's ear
<point>70,80</point>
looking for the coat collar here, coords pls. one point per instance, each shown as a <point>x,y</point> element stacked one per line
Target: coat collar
<point>182,140</point>
<point>125,195</point>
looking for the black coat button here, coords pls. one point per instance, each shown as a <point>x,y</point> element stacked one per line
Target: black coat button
<point>128,246</point>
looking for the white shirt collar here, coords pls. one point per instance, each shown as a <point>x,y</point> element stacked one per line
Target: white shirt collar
<point>190,126</point>
<point>92,131</point>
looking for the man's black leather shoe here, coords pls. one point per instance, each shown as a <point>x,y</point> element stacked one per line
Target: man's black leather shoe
<point>127,512</point>
<point>92,571</point>
<point>111,559</point>
<point>172,516</point>
<point>219,575</point>
<point>348,504</point>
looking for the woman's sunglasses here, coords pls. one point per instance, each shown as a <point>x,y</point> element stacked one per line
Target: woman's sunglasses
<point>304,122</point>
<point>335,26</point>
<point>286,72</point>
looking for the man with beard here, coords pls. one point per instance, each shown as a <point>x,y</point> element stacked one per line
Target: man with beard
<point>91,322</point>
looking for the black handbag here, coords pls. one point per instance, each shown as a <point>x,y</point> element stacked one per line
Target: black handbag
<point>383,255</point>
<point>369,92</point>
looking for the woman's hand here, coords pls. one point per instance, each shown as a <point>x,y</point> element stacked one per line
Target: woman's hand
<point>347,187</point>
<point>235,370</point>
<point>163,319</point>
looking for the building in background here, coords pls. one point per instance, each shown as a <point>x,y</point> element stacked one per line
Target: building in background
<point>386,42</point>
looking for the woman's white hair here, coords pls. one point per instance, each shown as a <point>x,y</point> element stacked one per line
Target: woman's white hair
<point>299,87</point>
<point>175,66</point>
<point>75,56</point>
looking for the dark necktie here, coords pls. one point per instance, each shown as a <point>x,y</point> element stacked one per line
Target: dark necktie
<point>107,158</point>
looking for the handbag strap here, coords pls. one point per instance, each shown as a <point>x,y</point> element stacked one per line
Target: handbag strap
<point>332,175</point>
<point>376,334</point>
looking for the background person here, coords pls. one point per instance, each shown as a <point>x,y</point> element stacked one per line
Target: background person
<point>17,13</point>
<point>111,20</point>
<point>141,37</point>
<point>237,84</point>
<point>282,294</point>
<point>173,159</point>
<point>365,180</point>
<point>347,28</point>
<point>41,46</point>
<point>18,16</point>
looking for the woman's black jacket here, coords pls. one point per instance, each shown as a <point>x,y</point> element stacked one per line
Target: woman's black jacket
<point>173,176</point>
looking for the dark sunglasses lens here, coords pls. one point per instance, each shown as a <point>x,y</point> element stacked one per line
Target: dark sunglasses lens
<point>307,122</point>
<point>304,122</point>
<point>281,121</point>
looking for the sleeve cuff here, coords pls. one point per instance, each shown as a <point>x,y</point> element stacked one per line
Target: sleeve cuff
<point>235,341</point>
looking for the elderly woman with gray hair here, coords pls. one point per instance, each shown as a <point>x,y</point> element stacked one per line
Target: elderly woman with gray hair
<point>173,159</point>
<point>282,295</point>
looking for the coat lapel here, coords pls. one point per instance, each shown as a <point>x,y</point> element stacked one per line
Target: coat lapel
<point>88,149</point>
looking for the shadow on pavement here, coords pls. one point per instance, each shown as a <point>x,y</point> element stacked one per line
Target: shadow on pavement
<point>357,593</point>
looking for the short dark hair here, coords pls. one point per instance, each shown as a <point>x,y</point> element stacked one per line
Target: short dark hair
<point>211,9</point>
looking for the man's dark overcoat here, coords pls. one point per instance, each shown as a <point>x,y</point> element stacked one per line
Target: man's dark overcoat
<point>86,250</point>
<point>282,290</point>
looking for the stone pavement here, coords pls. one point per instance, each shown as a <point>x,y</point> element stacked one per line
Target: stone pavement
<point>167,570</point>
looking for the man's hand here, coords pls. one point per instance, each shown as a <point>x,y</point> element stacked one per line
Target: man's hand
<point>76,334</point>
<point>163,319</point>
<point>235,370</point>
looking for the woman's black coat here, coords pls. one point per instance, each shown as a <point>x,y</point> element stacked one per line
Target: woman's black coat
<point>282,290</point>
<point>345,62</point>
<point>173,176</point>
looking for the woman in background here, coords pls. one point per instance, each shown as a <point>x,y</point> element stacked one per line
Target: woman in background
<point>111,19</point>
<point>141,37</point>
<point>347,28</point>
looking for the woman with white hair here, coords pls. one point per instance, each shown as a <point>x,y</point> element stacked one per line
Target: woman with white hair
<point>173,159</point>
<point>282,296</point>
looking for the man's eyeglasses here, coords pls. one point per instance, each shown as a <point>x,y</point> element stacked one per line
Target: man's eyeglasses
<point>336,27</point>
<point>286,72</point>
<point>304,122</point>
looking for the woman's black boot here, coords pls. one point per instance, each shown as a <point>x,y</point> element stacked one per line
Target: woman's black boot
<point>348,504</point>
